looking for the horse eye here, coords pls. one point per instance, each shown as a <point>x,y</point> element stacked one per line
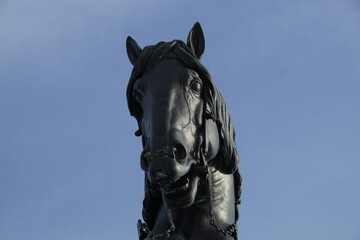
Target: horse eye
<point>196,86</point>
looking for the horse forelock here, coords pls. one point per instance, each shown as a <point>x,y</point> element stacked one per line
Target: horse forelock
<point>152,54</point>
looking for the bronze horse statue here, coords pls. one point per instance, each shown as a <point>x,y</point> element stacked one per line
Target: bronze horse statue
<point>192,181</point>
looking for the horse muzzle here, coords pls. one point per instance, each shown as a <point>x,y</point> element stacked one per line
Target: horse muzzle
<point>165,165</point>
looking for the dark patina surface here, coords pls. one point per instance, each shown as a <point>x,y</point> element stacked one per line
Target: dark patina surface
<point>192,181</point>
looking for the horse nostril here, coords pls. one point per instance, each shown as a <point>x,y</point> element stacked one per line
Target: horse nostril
<point>180,153</point>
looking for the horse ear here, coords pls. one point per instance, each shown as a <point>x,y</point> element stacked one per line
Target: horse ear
<point>196,40</point>
<point>133,49</point>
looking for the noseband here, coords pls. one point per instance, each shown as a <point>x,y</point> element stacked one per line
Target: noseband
<point>164,152</point>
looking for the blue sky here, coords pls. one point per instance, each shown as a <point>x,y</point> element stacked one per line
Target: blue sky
<point>289,71</point>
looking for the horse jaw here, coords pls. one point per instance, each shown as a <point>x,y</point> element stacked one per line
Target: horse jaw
<point>182,193</point>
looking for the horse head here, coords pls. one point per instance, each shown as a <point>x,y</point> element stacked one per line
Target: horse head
<point>182,119</point>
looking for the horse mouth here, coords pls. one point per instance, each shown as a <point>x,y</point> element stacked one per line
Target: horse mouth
<point>181,193</point>
<point>171,190</point>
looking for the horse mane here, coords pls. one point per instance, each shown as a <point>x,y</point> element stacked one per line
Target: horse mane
<point>227,159</point>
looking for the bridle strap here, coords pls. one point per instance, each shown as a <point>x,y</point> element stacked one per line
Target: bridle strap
<point>171,222</point>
